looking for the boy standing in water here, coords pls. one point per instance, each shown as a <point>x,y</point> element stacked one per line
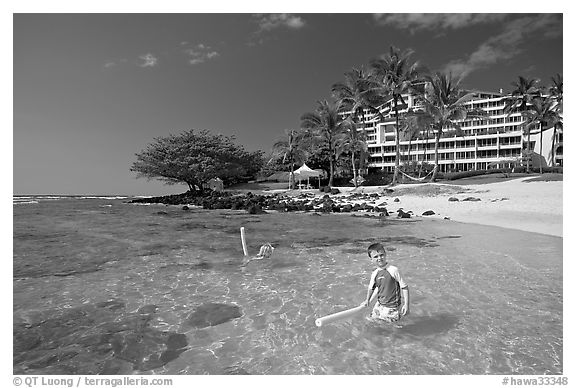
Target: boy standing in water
<point>393,300</point>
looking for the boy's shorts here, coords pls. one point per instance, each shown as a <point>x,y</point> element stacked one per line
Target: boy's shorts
<point>384,313</point>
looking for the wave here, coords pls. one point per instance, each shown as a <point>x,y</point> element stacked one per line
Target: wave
<point>18,198</point>
<point>102,197</point>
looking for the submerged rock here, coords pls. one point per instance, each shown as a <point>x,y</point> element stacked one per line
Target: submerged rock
<point>99,338</point>
<point>255,209</point>
<point>403,214</point>
<point>212,314</point>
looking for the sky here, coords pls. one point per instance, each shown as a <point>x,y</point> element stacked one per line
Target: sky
<point>90,90</point>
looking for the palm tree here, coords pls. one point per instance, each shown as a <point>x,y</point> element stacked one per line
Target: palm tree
<point>292,149</point>
<point>410,130</point>
<point>352,94</point>
<point>427,134</point>
<point>556,92</point>
<point>419,122</point>
<point>444,107</point>
<point>525,90</point>
<point>354,142</point>
<point>541,116</point>
<point>395,76</point>
<point>326,127</point>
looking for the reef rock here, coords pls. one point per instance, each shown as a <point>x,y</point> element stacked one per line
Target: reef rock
<point>212,314</point>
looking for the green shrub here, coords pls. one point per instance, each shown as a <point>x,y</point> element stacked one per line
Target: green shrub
<point>378,178</point>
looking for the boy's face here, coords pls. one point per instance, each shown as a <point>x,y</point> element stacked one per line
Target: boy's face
<point>378,258</point>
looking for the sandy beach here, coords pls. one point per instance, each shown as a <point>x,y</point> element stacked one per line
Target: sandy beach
<point>533,206</point>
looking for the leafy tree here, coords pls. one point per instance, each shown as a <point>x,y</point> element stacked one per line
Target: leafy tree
<point>319,158</point>
<point>541,116</point>
<point>443,107</point>
<point>353,142</point>
<point>292,150</point>
<point>409,131</point>
<point>556,92</point>
<point>326,127</point>
<point>525,90</point>
<point>194,158</point>
<point>395,76</point>
<point>353,95</point>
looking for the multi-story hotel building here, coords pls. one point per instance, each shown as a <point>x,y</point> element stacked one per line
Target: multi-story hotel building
<point>491,142</point>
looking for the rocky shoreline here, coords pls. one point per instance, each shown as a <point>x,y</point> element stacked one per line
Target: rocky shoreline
<point>523,204</point>
<point>335,202</point>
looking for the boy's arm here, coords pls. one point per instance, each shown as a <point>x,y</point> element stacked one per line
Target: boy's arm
<point>405,309</point>
<point>371,289</point>
<point>366,303</point>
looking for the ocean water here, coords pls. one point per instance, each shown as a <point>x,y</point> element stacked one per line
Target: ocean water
<point>101,286</point>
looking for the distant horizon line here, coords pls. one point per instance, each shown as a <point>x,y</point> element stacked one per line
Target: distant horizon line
<point>84,195</point>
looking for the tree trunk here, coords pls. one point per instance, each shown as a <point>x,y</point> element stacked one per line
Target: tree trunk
<point>553,149</point>
<point>528,156</point>
<point>424,156</point>
<point>331,180</point>
<point>354,170</point>
<point>541,156</point>
<point>291,177</point>
<point>409,149</point>
<point>397,133</point>
<point>436,167</point>
<point>360,164</point>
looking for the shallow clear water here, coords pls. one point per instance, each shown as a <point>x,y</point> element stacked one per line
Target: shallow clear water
<point>485,300</point>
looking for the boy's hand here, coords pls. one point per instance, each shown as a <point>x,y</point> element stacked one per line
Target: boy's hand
<point>404,310</point>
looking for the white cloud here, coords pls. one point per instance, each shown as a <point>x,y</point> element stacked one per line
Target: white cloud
<point>268,22</point>
<point>508,43</point>
<point>200,54</point>
<point>114,62</point>
<point>148,60</point>
<point>440,21</point>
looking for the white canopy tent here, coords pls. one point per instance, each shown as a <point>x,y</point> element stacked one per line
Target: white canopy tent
<point>305,172</point>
